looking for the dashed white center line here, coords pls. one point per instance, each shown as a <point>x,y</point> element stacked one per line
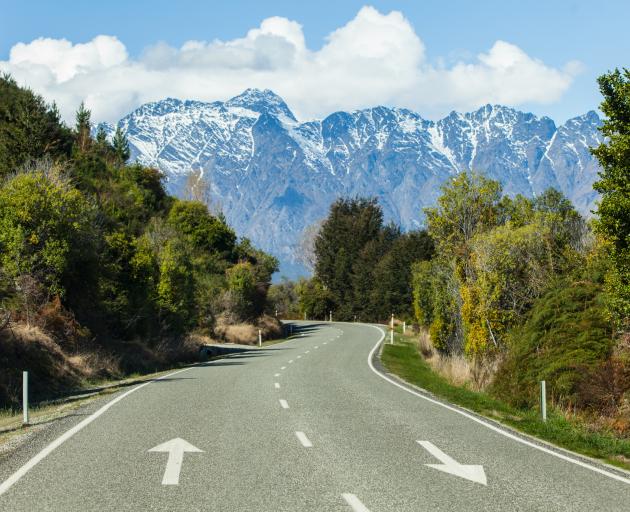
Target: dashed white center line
<point>276,375</point>
<point>355,503</point>
<point>299,357</point>
<point>284,404</point>
<point>276,385</point>
<point>283,368</point>
<point>325,343</point>
<point>291,361</point>
<point>315,346</point>
<point>304,440</point>
<point>307,352</point>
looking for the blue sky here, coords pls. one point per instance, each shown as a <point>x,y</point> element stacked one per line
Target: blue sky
<point>572,41</point>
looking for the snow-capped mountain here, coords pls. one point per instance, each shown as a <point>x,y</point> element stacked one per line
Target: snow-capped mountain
<point>273,175</point>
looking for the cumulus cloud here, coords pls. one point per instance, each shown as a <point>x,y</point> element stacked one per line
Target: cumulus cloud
<point>374,59</point>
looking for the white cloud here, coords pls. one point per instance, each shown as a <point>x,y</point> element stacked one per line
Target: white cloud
<point>373,59</point>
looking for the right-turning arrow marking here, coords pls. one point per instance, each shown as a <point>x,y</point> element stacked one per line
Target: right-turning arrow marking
<point>472,472</point>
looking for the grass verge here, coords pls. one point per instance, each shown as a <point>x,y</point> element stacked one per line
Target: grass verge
<point>404,360</point>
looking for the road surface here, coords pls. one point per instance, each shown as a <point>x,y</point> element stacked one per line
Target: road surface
<point>307,425</point>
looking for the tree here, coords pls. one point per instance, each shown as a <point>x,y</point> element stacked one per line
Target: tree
<point>241,280</point>
<point>121,145</point>
<point>350,225</point>
<point>469,204</point>
<point>205,232</point>
<point>29,128</point>
<point>175,288</point>
<point>305,250</point>
<point>83,128</point>
<point>392,277</point>
<point>314,300</point>
<point>46,227</point>
<point>613,211</point>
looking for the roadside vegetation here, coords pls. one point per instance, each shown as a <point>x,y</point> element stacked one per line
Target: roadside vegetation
<point>102,273</point>
<point>565,430</point>
<point>502,292</point>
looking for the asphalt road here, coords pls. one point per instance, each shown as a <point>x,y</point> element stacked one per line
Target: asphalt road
<point>303,425</point>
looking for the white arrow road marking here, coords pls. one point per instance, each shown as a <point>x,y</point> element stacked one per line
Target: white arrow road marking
<point>15,477</point>
<point>472,472</point>
<point>284,404</point>
<point>175,449</point>
<point>355,503</point>
<point>304,440</point>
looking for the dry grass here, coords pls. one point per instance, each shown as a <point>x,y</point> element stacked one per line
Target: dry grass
<point>457,369</point>
<point>245,333</point>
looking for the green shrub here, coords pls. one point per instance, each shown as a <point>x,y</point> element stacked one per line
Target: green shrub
<point>565,338</point>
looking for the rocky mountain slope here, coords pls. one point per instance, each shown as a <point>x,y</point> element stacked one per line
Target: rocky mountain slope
<point>272,175</point>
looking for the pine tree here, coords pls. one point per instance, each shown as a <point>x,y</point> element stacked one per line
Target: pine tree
<point>121,145</point>
<point>101,136</point>
<point>83,127</point>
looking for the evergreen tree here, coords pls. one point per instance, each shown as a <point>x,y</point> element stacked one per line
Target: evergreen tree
<point>83,127</point>
<point>29,129</point>
<point>101,136</point>
<point>350,225</point>
<point>121,145</point>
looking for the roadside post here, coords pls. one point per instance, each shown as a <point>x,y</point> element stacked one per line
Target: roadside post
<point>404,327</point>
<point>392,321</point>
<point>391,337</point>
<point>259,338</point>
<point>331,316</point>
<point>543,400</point>
<point>25,397</point>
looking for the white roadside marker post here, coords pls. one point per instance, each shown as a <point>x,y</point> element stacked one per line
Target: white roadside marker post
<point>259,338</point>
<point>392,321</point>
<point>543,400</point>
<point>404,327</point>
<point>391,337</point>
<point>25,397</point>
<point>331,316</point>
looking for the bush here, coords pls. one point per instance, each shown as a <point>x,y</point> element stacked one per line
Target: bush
<point>565,339</point>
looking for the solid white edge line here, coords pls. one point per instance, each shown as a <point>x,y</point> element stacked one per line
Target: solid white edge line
<point>304,440</point>
<point>488,425</point>
<point>284,404</point>
<point>15,477</point>
<point>354,502</point>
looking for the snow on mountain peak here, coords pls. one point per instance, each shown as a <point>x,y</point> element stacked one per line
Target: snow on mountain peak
<point>262,101</point>
<point>255,155</point>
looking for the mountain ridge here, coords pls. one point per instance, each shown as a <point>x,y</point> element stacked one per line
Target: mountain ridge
<point>273,175</point>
